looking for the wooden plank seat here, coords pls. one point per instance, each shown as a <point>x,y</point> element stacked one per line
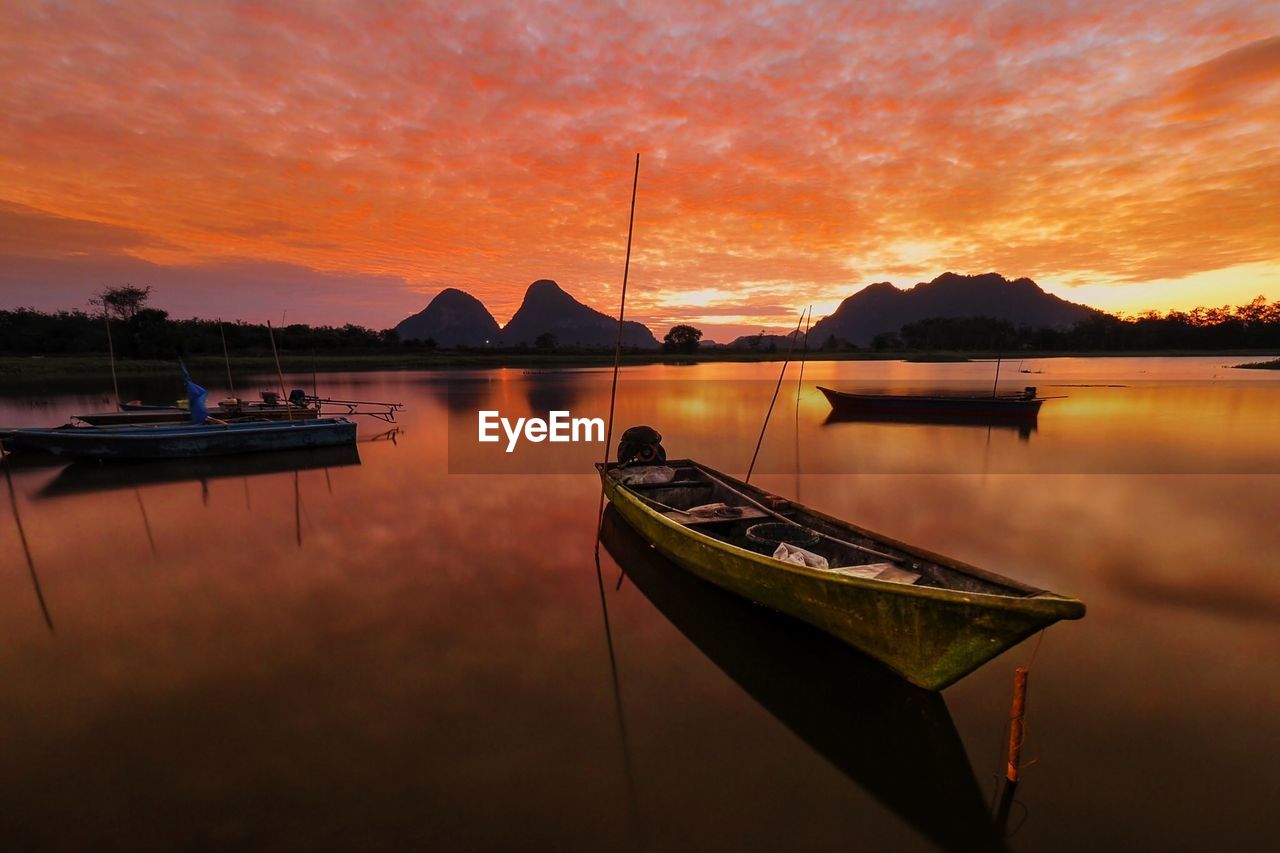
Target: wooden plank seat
<point>744,513</point>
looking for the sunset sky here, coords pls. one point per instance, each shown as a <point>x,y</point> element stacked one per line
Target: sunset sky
<point>343,162</point>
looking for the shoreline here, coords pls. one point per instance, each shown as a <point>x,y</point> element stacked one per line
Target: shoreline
<point>25,369</point>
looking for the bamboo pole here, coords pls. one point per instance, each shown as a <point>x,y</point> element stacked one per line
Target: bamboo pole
<point>111,351</point>
<point>284,398</point>
<point>776,389</point>
<point>1017,727</point>
<point>622,307</point>
<point>617,349</point>
<point>799,385</point>
<point>226,358</point>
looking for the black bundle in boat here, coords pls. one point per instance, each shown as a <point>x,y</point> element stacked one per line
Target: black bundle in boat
<point>641,445</point>
<point>766,537</point>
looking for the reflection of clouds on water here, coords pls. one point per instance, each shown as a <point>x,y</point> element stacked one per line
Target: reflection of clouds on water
<point>438,638</point>
<point>1211,593</point>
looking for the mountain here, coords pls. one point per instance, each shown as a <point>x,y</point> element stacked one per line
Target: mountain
<point>881,307</point>
<point>453,318</point>
<point>548,309</point>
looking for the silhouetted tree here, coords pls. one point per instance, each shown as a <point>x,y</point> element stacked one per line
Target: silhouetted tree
<point>122,303</point>
<point>545,341</point>
<point>682,338</point>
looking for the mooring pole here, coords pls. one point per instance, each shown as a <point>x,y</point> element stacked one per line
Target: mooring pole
<point>226,358</point>
<point>1017,728</point>
<point>111,351</point>
<point>284,398</point>
<point>764,426</point>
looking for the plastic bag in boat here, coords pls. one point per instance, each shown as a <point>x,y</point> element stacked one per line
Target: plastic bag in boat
<point>646,475</point>
<point>196,397</point>
<point>799,556</point>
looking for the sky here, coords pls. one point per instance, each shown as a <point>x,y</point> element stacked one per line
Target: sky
<point>334,162</point>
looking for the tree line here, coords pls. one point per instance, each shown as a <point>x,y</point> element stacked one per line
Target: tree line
<point>137,331</point>
<point>1252,326</point>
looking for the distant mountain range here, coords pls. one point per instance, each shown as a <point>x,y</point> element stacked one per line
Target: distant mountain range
<point>881,307</point>
<point>455,318</point>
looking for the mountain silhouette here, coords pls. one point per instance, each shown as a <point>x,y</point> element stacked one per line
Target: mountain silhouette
<point>548,309</point>
<point>881,307</point>
<point>453,318</point>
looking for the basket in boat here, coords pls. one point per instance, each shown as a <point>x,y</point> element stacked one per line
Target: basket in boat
<point>766,537</point>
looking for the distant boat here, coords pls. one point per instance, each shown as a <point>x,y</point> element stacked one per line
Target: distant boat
<point>930,618</point>
<point>163,441</point>
<point>1022,406</point>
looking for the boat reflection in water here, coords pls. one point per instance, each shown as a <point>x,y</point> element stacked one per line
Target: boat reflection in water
<point>85,477</point>
<point>895,740</point>
<point>1023,426</point>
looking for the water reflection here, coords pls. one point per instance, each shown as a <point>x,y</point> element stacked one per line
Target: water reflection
<point>85,476</point>
<point>896,741</point>
<point>26,547</point>
<point>1024,428</point>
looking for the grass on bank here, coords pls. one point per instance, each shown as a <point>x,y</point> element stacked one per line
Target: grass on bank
<point>1274,364</point>
<point>45,368</point>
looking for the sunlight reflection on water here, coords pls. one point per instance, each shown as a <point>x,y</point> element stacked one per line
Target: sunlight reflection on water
<point>374,651</point>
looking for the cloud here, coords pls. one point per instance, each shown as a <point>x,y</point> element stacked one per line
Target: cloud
<point>487,145</point>
<point>25,230</point>
<point>1211,88</point>
<point>233,289</point>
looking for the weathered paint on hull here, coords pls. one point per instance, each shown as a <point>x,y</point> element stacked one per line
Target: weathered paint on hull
<point>170,442</point>
<point>931,637</point>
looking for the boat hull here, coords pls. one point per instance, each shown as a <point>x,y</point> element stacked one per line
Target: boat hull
<point>916,407</point>
<point>895,740</point>
<point>181,442</point>
<point>930,636</point>
<point>135,417</point>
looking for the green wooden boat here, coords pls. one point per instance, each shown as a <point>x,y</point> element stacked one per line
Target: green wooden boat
<point>930,618</point>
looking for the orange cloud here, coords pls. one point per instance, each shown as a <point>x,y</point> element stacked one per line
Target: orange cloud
<point>810,147</point>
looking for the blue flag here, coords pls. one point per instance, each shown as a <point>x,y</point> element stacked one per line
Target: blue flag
<point>195,398</point>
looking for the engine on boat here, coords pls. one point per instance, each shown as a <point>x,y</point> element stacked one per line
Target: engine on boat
<point>641,445</point>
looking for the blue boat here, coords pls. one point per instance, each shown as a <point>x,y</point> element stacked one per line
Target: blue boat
<point>184,441</point>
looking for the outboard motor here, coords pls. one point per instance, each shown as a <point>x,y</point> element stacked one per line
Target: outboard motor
<point>298,397</point>
<point>641,445</point>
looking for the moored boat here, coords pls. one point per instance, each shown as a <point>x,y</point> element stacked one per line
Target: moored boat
<point>164,441</point>
<point>895,740</point>
<point>223,412</point>
<point>929,618</point>
<point>1022,406</point>
<point>271,408</point>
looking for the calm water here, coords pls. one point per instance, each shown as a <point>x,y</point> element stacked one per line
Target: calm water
<point>374,652</point>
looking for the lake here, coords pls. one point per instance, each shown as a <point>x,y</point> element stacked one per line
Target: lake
<point>406,647</point>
